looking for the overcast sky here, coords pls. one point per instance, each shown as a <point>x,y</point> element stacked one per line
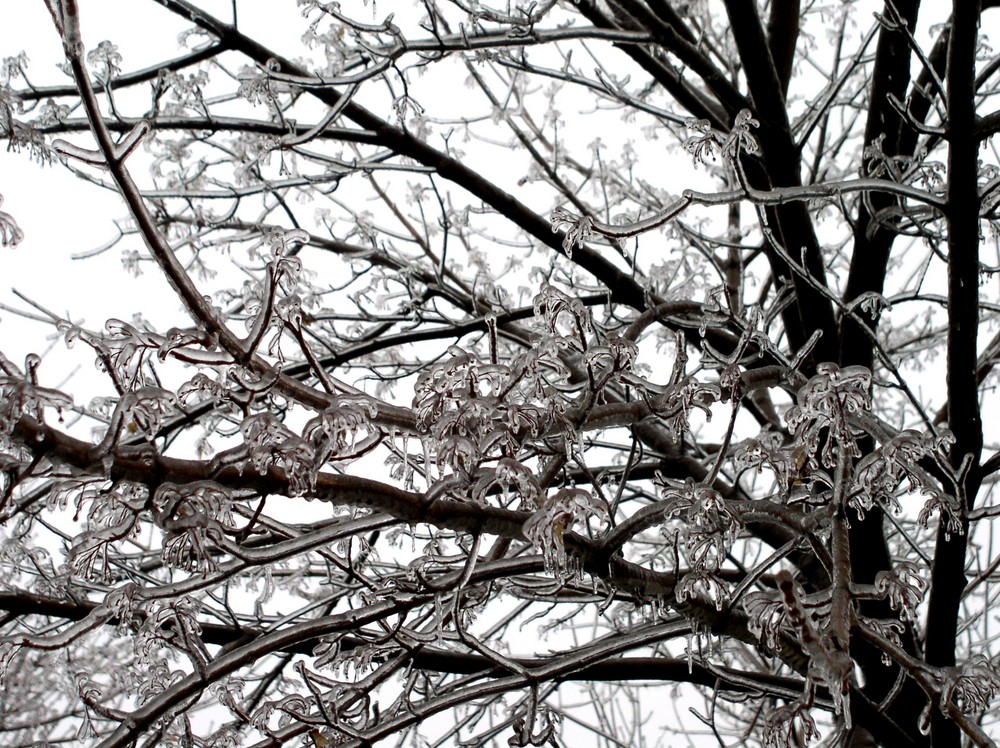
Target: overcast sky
<point>62,216</point>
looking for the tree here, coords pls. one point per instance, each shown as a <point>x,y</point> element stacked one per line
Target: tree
<point>427,455</point>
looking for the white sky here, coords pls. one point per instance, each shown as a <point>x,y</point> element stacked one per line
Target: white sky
<point>62,216</point>
<point>59,214</point>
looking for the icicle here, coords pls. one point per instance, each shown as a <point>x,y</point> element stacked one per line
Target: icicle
<point>407,468</point>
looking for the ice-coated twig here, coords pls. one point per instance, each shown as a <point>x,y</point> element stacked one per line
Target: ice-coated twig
<point>122,149</point>
<point>580,228</point>
<point>10,233</point>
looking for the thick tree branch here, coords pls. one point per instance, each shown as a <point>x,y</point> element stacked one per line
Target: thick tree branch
<point>964,418</point>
